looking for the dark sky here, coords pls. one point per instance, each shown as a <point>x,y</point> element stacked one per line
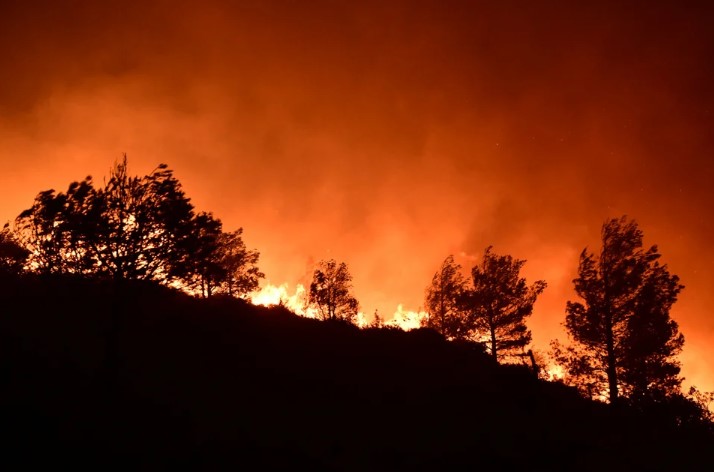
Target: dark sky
<point>387,134</point>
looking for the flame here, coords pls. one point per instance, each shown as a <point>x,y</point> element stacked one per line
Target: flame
<point>554,372</point>
<point>273,295</point>
<point>406,319</point>
<point>295,301</point>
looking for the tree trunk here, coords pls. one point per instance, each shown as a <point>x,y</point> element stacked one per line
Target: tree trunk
<point>610,368</point>
<point>442,313</point>
<point>534,365</point>
<point>611,360</point>
<point>494,352</point>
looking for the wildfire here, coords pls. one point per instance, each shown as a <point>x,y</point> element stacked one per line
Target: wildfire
<point>554,372</point>
<point>406,319</point>
<point>271,295</point>
<point>295,301</point>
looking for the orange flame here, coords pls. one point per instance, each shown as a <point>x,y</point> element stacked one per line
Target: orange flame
<point>273,295</point>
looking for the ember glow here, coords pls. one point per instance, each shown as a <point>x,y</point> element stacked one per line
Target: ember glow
<point>387,134</point>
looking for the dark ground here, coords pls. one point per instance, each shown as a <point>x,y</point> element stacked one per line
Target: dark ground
<point>140,377</point>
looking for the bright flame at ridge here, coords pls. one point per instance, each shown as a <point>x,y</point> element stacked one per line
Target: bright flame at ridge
<point>406,319</point>
<point>554,372</point>
<point>272,295</point>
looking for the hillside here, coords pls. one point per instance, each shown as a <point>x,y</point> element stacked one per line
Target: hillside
<point>221,384</point>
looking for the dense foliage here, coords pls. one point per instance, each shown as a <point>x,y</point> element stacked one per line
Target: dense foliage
<point>331,292</point>
<point>624,337</point>
<point>499,302</point>
<point>134,228</point>
<point>492,308</point>
<point>442,301</point>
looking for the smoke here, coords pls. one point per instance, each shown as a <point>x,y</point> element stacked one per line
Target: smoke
<point>385,135</point>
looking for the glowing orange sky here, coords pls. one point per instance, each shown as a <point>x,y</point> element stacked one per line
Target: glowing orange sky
<point>387,134</point>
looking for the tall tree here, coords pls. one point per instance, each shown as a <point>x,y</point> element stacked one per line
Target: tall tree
<point>51,229</point>
<point>499,303</point>
<point>623,323</point>
<point>331,292</point>
<point>136,228</point>
<point>650,368</point>
<point>217,262</point>
<point>442,301</point>
<point>41,229</point>
<point>80,218</point>
<point>199,268</point>
<point>141,224</point>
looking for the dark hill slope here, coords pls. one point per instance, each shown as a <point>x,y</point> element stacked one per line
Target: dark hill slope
<point>220,384</point>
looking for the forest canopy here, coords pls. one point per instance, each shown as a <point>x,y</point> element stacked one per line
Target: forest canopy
<point>134,228</point>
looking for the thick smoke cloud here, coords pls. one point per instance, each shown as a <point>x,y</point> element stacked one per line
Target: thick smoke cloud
<point>386,134</point>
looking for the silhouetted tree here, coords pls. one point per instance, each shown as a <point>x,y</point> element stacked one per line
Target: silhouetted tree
<point>331,292</point>
<point>53,229</point>
<point>499,302</point>
<point>13,255</point>
<point>622,329</point>
<point>141,224</point>
<point>200,269</point>
<point>218,262</point>
<point>703,400</point>
<point>136,228</point>
<point>443,301</point>
<point>40,227</point>
<point>131,228</point>
<point>238,263</point>
<point>81,217</point>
